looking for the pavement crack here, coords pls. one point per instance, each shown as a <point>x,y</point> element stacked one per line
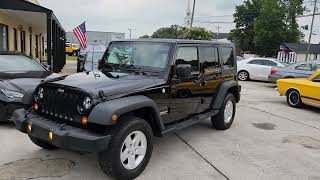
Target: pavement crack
<point>284,117</point>
<point>202,157</point>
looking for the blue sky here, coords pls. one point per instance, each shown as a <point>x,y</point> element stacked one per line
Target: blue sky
<point>146,16</point>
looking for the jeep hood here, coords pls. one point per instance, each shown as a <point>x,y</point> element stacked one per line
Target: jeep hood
<point>94,82</point>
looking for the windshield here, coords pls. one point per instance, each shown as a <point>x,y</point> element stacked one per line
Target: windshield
<point>94,56</point>
<point>153,55</point>
<point>18,63</point>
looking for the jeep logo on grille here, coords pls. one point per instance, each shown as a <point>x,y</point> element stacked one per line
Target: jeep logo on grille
<point>60,90</point>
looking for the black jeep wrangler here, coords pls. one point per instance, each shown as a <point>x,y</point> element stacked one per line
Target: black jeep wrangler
<point>143,88</point>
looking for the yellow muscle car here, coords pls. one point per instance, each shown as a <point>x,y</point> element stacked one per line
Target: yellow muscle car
<point>301,91</point>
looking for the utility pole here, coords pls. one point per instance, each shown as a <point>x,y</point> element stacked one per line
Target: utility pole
<point>311,29</point>
<point>194,5</point>
<point>218,28</point>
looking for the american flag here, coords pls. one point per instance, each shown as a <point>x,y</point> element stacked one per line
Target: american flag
<point>81,34</point>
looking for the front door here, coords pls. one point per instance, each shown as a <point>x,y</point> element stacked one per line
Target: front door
<point>184,91</point>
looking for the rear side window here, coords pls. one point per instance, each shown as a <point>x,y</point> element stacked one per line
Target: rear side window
<point>227,57</point>
<point>188,55</point>
<point>257,62</point>
<point>303,67</point>
<point>210,57</point>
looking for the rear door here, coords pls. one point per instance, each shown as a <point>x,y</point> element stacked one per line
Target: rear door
<point>211,71</point>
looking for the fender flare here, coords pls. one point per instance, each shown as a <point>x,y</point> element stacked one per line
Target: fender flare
<point>102,113</point>
<point>218,98</point>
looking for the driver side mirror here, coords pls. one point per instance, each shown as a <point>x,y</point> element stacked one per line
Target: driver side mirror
<point>183,70</point>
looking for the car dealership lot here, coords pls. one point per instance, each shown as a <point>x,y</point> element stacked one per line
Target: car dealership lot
<point>268,140</point>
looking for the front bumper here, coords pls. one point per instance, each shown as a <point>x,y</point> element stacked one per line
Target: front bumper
<point>7,109</point>
<point>66,137</point>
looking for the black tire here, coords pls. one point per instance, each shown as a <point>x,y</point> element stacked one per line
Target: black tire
<point>294,99</point>
<point>243,75</point>
<point>42,143</point>
<point>110,161</point>
<point>218,121</point>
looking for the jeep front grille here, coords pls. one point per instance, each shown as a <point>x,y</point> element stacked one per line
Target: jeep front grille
<point>60,105</point>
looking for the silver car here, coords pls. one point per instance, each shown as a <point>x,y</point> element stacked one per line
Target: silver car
<point>299,70</point>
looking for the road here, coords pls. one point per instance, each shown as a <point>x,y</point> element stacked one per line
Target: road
<point>268,140</point>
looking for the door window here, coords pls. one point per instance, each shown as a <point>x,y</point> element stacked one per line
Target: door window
<point>227,57</point>
<point>317,79</point>
<point>256,62</point>
<point>188,55</point>
<point>269,63</point>
<point>211,60</point>
<point>303,67</point>
<point>3,37</point>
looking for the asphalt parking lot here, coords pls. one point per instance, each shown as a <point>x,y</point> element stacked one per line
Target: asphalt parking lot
<point>268,140</point>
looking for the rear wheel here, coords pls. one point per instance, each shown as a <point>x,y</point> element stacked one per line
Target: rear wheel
<point>129,151</point>
<point>243,76</point>
<point>42,143</point>
<point>294,99</point>
<point>224,119</point>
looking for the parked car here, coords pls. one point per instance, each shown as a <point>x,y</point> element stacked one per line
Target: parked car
<point>72,49</point>
<point>256,68</point>
<point>299,70</point>
<point>117,110</point>
<point>18,74</point>
<point>301,91</point>
<point>89,60</point>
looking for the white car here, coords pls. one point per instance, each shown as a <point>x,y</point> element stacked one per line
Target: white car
<point>256,68</point>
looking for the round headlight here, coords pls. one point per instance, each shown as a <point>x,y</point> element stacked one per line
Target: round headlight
<point>87,103</point>
<point>40,93</point>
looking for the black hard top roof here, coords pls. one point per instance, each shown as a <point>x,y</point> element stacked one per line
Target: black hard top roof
<point>176,41</point>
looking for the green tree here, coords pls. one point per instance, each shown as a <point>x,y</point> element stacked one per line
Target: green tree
<point>179,32</point>
<point>172,32</point>
<point>197,33</point>
<point>269,27</point>
<point>292,9</point>
<point>245,17</point>
<point>144,37</point>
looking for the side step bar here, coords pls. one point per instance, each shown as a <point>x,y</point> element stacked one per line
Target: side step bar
<point>189,122</point>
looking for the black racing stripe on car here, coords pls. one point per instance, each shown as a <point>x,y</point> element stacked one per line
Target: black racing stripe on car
<point>310,98</point>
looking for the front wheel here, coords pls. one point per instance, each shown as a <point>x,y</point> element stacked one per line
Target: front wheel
<point>243,76</point>
<point>294,99</point>
<point>224,119</point>
<point>129,151</point>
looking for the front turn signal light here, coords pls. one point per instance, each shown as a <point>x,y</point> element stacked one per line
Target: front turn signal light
<point>84,120</point>
<point>36,107</point>
<point>114,117</point>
